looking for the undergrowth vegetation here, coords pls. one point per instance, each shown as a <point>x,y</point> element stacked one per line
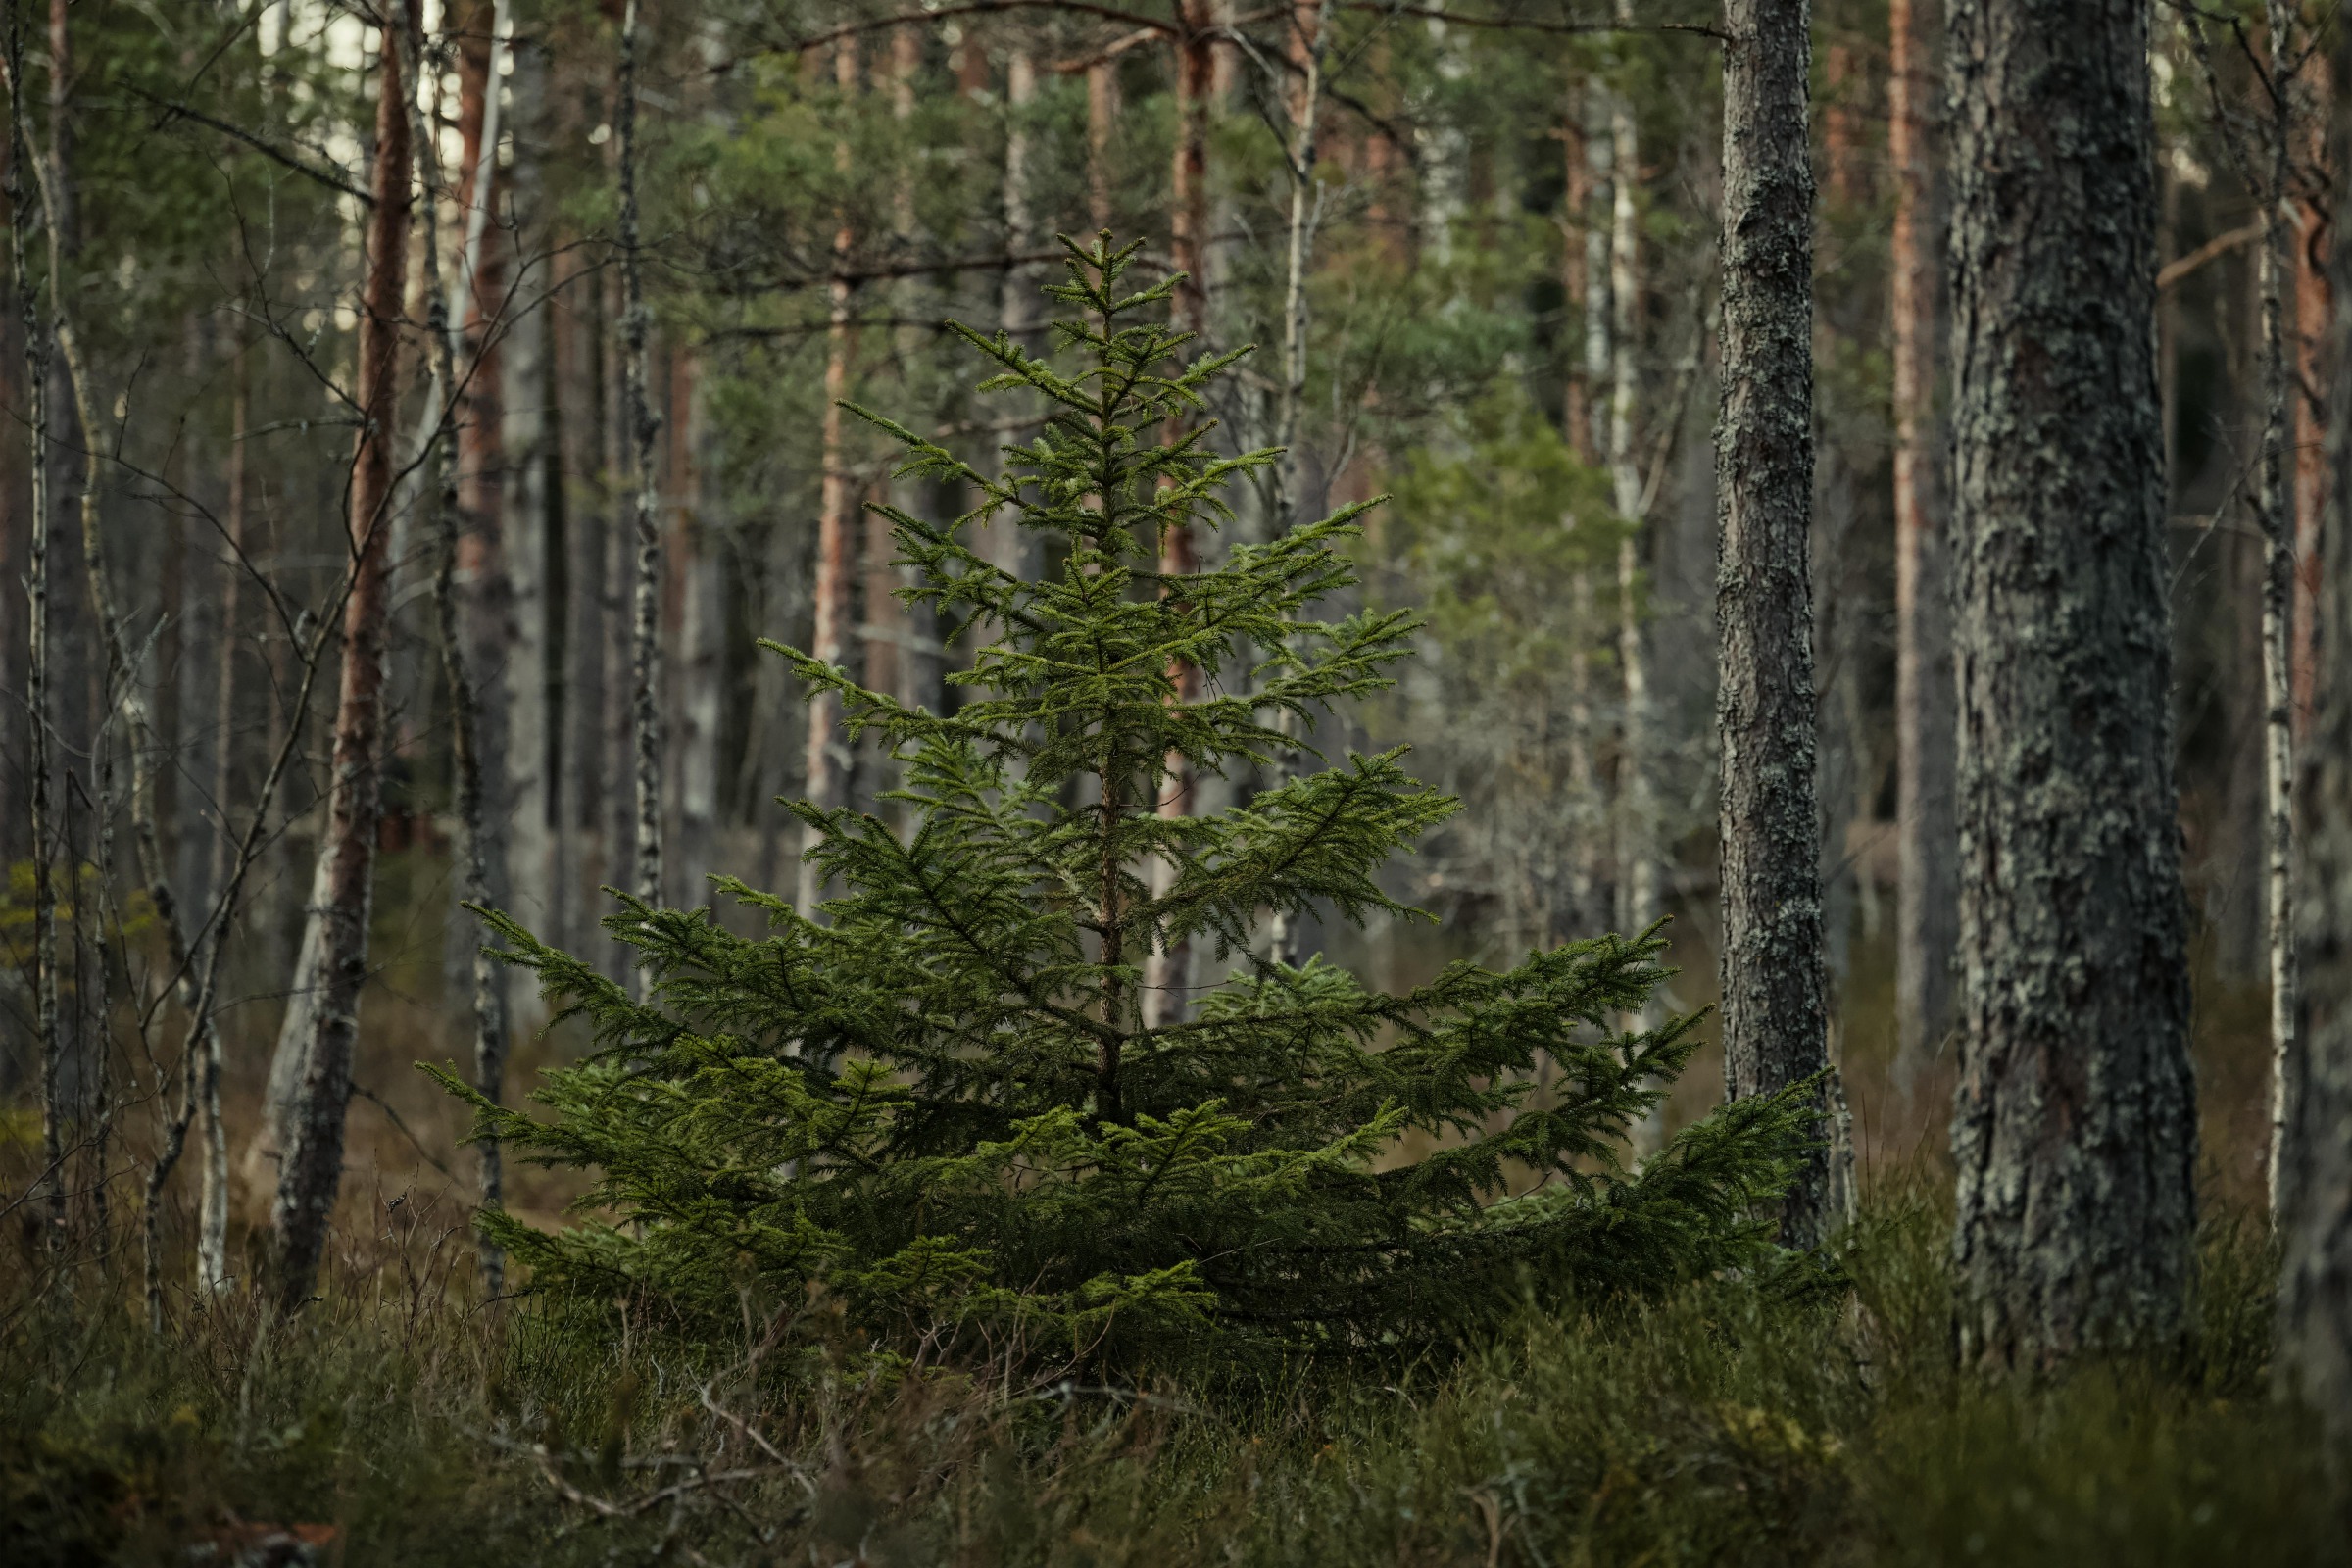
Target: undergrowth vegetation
<point>1728,1422</point>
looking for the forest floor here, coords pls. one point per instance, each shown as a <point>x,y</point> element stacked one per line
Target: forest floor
<point>398,1420</point>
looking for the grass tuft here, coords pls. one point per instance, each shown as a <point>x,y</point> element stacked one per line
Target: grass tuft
<point>1737,1422</point>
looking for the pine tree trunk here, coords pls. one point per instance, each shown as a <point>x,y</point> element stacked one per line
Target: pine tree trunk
<point>1773,1020</point>
<point>1102,123</point>
<point>2074,1127</point>
<point>1168,972</point>
<point>645,595</point>
<point>1927,833</point>
<point>2314,315</point>
<point>312,1142</point>
<point>825,787</point>
<point>2313,1183</point>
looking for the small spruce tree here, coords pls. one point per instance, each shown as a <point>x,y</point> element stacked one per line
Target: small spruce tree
<point>941,1098</point>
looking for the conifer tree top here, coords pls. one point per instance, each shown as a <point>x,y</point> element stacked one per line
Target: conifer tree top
<point>941,1096</point>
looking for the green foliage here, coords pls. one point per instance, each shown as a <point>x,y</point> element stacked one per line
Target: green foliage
<point>1502,532</point>
<point>952,1099</point>
<point>1723,1423</point>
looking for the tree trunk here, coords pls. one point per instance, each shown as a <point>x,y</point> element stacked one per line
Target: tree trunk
<point>1018,302</point>
<point>2314,314</point>
<point>312,1142</point>
<point>1600,168</point>
<point>825,786</point>
<point>1927,834</point>
<point>2279,533</point>
<point>490,775</point>
<point>211,1226</point>
<point>2314,1360</point>
<point>47,1039</point>
<point>615,736</point>
<point>702,630</point>
<point>594,651</point>
<point>526,498</point>
<point>921,662</point>
<point>1168,972</point>
<point>201,1049</point>
<point>1637,901</point>
<point>444,504</point>
<point>2075,1124</point>
<point>644,598</point>
<point>1577,274</point>
<point>1102,123</point>
<point>1773,1020</point>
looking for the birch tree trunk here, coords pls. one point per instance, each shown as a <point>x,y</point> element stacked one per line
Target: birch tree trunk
<point>2313,1360</point>
<point>476,587</point>
<point>1636,804</point>
<point>1018,302</point>
<point>47,1039</point>
<point>211,1214</point>
<point>2278,532</point>
<point>1773,1019</point>
<point>312,1142</point>
<point>526,498</point>
<point>645,595</point>
<point>2075,1124</point>
<point>125,689</point>
<point>827,759</point>
<point>1600,171</point>
<point>921,660</point>
<point>1927,833</point>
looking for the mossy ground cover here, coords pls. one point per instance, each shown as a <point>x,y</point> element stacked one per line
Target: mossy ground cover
<point>1731,1422</point>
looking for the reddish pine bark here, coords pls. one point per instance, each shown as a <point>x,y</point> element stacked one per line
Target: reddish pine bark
<point>312,1167</point>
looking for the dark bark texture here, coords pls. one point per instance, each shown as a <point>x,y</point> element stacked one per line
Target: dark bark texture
<point>2075,1124</point>
<point>2313,1197</point>
<point>1775,1030</point>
